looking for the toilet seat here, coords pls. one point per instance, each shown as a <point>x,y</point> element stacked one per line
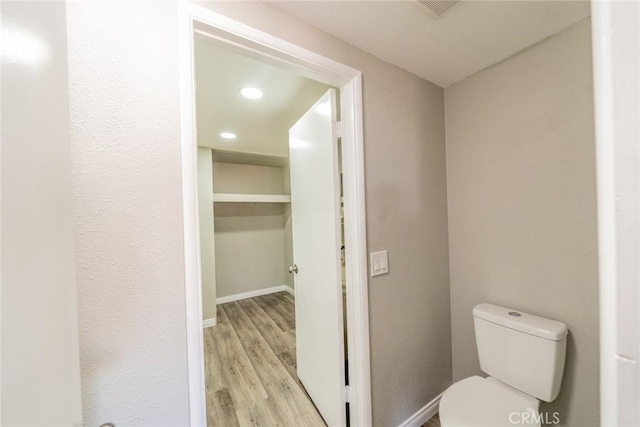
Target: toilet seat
<point>480,402</point>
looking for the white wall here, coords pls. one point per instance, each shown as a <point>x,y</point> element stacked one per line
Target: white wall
<point>206,234</point>
<point>40,361</point>
<point>522,204</point>
<point>125,136</point>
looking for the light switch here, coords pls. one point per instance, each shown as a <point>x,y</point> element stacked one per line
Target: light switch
<point>379,263</point>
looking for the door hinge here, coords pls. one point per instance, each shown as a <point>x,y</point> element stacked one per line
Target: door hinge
<point>347,394</point>
<point>337,129</point>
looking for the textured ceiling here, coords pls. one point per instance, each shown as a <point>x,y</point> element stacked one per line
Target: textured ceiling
<point>471,36</point>
<point>261,126</point>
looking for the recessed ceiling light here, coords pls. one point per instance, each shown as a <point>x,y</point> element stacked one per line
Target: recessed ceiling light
<point>228,135</point>
<point>251,92</point>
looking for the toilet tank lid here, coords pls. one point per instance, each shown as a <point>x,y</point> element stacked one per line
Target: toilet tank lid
<point>520,321</point>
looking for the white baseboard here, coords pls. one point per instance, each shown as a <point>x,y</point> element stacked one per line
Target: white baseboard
<point>290,290</point>
<point>207,323</point>
<point>424,414</point>
<point>252,294</point>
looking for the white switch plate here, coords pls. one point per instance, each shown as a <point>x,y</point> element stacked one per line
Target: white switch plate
<point>379,263</point>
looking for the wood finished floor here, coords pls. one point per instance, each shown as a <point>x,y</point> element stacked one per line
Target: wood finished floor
<point>250,366</point>
<point>433,422</point>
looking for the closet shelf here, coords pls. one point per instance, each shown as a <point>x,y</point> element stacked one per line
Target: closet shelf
<point>247,158</point>
<point>251,198</point>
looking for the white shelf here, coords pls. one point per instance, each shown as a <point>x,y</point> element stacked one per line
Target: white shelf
<point>251,198</point>
<point>247,158</point>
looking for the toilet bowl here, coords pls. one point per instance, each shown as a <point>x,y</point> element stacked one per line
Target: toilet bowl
<point>523,355</point>
<point>485,402</point>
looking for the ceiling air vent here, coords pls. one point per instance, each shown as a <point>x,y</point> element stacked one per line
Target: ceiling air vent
<point>437,8</point>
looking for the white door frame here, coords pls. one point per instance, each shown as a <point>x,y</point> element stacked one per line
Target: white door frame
<point>616,68</point>
<point>272,49</point>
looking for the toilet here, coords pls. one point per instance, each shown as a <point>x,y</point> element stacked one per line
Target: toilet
<point>524,357</point>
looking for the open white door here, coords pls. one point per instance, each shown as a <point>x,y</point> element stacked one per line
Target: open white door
<point>315,215</point>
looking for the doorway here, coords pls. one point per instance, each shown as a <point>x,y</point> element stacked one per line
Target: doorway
<point>269,202</point>
<point>320,370</point>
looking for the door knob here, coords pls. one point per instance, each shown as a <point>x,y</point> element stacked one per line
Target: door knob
<point>293,269</point>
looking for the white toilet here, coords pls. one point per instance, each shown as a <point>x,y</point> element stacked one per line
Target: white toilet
<point>524,357</point>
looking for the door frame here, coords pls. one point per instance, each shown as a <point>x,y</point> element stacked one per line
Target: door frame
<point>268,48</point>
<point>616,62</point>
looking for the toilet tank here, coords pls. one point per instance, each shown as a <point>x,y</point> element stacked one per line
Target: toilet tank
<point>521,350</point>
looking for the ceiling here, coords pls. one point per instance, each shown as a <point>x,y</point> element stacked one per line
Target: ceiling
<point>262,126</point>
<point>469,37</point>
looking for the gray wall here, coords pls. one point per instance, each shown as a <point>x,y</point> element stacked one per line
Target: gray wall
<point>249,237</point>
<point>250,247</point>
<point>40,361</point>
<point>522,204</point>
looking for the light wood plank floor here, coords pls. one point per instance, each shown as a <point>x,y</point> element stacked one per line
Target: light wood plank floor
<point>250,366</point>
<point>433,422</point>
